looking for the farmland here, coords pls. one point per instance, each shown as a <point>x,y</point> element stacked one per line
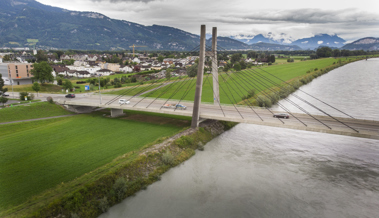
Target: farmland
<point>40,155</point>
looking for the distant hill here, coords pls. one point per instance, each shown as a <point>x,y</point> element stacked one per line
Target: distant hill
<point>319,40</point>
<point>368,43</point>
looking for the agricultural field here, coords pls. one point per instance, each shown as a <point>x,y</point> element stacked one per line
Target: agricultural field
<point>40,155</point>
<point>239,83</point>
<point>31,111</point>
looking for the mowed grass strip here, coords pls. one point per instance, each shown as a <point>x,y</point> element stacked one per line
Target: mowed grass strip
<point>31,111</point>
<point>48,152</point>
<point>233,87</point>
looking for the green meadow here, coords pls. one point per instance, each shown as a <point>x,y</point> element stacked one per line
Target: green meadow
<point>39,155</point>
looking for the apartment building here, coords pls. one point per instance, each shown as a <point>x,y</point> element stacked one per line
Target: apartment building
<point>20,73</point>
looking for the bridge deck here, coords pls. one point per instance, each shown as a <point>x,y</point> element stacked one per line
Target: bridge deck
<point>366,128</point>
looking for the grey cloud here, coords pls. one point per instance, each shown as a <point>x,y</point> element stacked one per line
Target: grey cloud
<point>118,1</point>
<point>311,16</point>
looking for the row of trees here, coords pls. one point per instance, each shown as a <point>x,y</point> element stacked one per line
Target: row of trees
<point>328,52</point>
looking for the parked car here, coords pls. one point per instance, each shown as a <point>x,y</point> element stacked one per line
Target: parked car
<point>282,115</point>
<point>123,101</point>
<point>70,96</point>
<point>4,94</point>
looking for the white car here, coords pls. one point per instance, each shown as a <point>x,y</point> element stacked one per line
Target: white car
<point>123,101</point>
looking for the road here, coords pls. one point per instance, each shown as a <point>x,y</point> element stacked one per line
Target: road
<point>242,114</point>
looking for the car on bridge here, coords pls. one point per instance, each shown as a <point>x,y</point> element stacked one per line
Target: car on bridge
<point>123,101</point>
<point>70,96</point>
<point>282,115</point>
<point>175,106</point>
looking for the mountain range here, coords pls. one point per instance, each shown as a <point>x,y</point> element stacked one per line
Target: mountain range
<point>23,23</point>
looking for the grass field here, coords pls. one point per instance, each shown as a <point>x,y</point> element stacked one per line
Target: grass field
<point>39,155</point>
<point>237,85</point>
<point>31,111</point>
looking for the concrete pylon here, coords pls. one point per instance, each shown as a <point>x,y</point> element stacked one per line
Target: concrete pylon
<point>216,90</point>
<point>199,81</point>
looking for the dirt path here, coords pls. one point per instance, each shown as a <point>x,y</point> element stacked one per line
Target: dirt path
<point>44,118</point>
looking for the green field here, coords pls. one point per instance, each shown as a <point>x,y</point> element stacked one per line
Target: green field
<point>237,85</point>
<point>36,156</point>
<point>31,111</point>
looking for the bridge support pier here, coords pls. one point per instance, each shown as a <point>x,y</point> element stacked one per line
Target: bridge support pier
<point>116,112</point>
<point>216,91</point>
<point>199,81</point>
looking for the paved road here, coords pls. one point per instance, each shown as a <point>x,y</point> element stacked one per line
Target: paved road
<point>243,114</point>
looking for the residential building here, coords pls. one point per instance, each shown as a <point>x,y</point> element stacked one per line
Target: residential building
<point>20,73</point>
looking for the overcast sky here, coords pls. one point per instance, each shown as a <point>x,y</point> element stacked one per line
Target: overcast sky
<point>349,19</point>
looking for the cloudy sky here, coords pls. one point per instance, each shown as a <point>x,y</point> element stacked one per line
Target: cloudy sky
<point>294,19</point>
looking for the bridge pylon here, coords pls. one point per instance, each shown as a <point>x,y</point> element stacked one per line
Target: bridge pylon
<point>200,74</point>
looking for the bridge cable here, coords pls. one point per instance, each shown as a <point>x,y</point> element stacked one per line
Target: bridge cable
<point>189,87</point>
<point>307,93</point>
<point>247,102</point>
<point>219,103</point>
<point>150,93</point>
<point>320,110</point>
<point>288,100</point>
<point>162,93</point>
<point>176,91</point>
<point>257,98</point>
<point>280,105</point>
<point>226,94</point>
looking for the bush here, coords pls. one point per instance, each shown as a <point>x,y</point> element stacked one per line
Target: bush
<point>50,100</point>
<point>81,82</point>
<point>120,188</point>
<point>103,204</point>
<point>59,81</point>
<point>168,158</point>
<point>23,95</point>
<point>264,101</point>
<point>31,96</point>
<point>118,85</point>
<point>290,60</point>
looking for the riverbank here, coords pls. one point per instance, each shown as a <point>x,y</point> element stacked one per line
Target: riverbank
<point>273,91</point>
<point>91,194</point>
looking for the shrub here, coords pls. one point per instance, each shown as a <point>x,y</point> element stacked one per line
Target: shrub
<point>168,158</point>
<point>118,85</point>
<point>120,188</point>
<point>59,81</point>
<point>184,141</point>
<point>50,100</point>
<point>316,69</point>
<point>264,101</point>
<point>103,204</point>
<point>31,96</point>
<point>290,60</point>
<point>23,95</point>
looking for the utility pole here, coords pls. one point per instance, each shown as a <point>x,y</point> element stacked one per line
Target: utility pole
<point>199,81</point>
<point>99,88</point>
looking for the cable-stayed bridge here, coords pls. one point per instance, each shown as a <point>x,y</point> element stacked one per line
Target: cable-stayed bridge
<point>226,97</point>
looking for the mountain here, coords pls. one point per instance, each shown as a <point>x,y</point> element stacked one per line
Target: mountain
<point>320,40</point>
<point>368,43</point>
<point>21,20</point>
<point>249,39</point>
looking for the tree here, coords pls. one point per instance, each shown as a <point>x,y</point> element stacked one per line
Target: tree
<point>235,58</point>
<point>336,53</point>
<point>192,70</point>
<point>1,83</point>
<point>59,54</point>
<point>168,74</point>
<point>36,87</point>
<point>160,58</point>
<point>242,64</point>
<point>324,52</point>
<point>67,84</point>
<point>3,100</point>
<point>237,66</point>
<point>41,56</point>
<point>252,54</point>
<point>42,72</point>
<point>7,58</point>
<point>272,58</point>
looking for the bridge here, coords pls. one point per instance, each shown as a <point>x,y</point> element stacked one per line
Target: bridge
<point>148,97</point>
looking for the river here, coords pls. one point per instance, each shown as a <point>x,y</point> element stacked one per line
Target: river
<point>259,171</point>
